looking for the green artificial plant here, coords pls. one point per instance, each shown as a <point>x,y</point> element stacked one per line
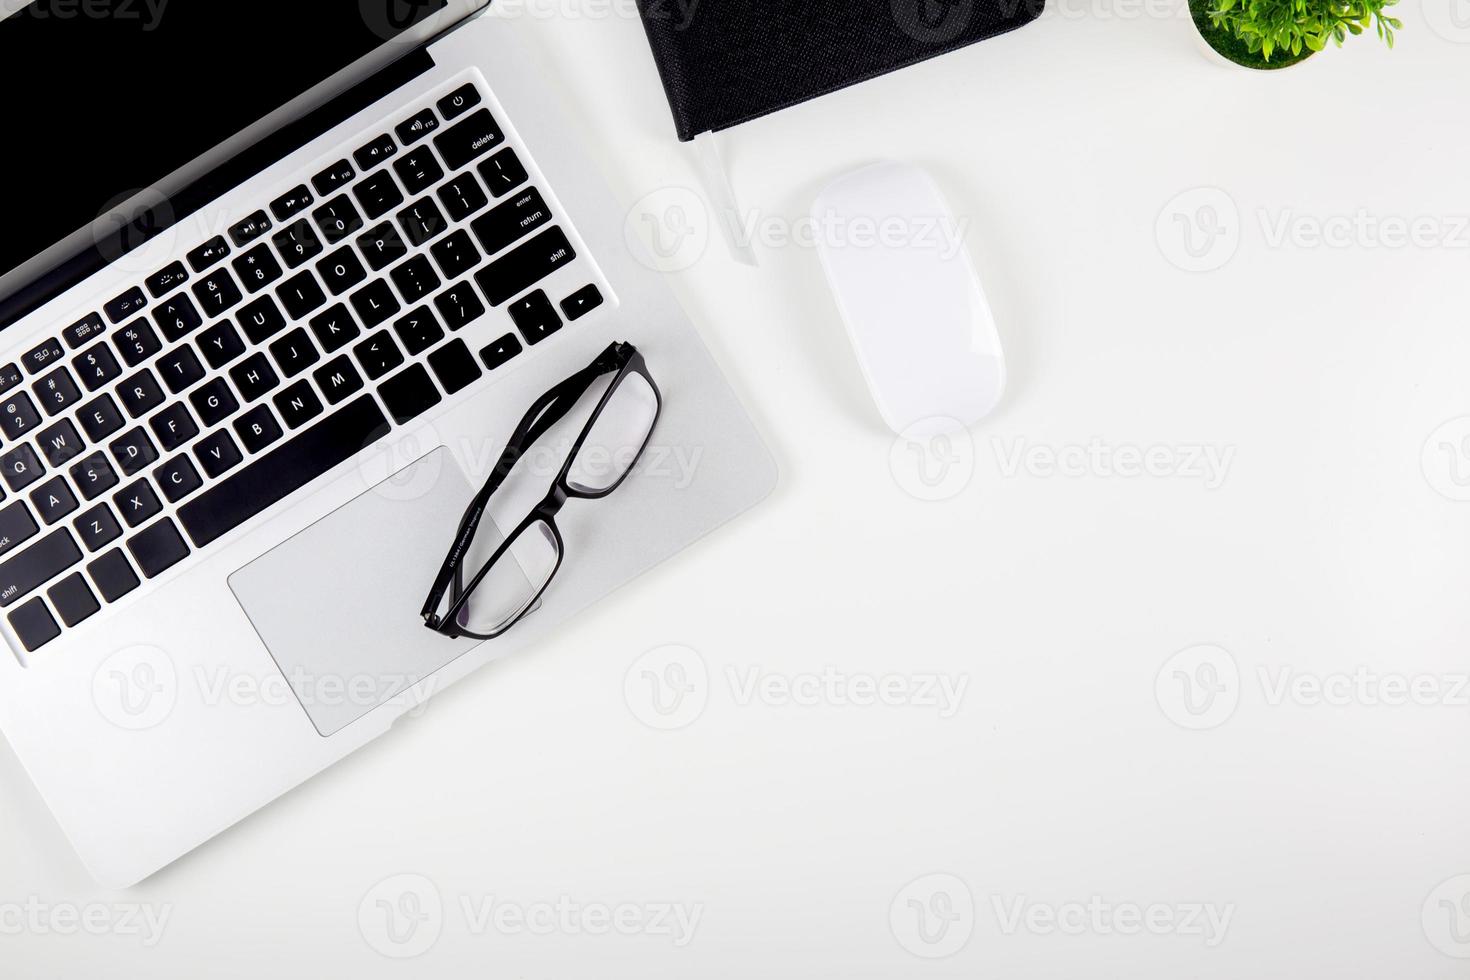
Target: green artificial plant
<point>1289,30</point>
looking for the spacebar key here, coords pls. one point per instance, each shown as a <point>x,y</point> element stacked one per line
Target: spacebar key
<point>283,471</point>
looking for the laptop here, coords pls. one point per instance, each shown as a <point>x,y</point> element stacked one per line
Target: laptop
<point>278,282</point>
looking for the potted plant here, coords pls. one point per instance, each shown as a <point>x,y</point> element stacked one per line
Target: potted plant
<point>1274,34</point>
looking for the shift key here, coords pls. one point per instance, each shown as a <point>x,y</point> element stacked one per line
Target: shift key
<point>37,565</point>
<point>525,266</point>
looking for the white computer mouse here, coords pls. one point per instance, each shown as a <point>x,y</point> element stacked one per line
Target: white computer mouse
<point>895,259</point>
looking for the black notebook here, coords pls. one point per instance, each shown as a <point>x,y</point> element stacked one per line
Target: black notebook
<point>725,62</point>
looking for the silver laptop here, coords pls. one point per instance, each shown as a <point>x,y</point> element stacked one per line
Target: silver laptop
<point>277,284</point>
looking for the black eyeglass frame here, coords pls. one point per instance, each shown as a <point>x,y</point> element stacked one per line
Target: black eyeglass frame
<point>622,360</point>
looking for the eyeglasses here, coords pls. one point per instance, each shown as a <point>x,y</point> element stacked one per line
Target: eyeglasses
<point>509,584</point>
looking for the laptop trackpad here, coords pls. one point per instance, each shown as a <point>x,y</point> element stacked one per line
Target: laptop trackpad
<point>338,604</point>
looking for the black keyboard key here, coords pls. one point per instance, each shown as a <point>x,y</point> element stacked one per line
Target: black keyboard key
<point>335,176</point>
<point>374,153</point>
<point>295,352</point>
<point>378,354</point>
<point>133,450</point>
<point>298,243</point>
<point>10,376</point>
<point>464,141</point>
<point>261,320</point>
<point>298,405</point>
<point>535,317</point>
<point>140,394</point>
<point>422,221</point>
<point>177,317</point>
<point>167,279</point>
<point>16,526</point>
<point>419,331</point>
<point>335,328</point>
<point>456,254</point>
<point>85,329</point>
<point>128,304</point>
<point>506,224</point>
<point>96,366</point>
<point>459,305</point>
<point>21,467</point>
<point>300,295</point>
<point>180,369</point>
<point>42,356</point>
<point>250,229</point>
<point>292,203</point>
<point>73,599</point>
<point>174,426</point>
<point>416,128</point>
<point>217,293</point>
<point>178,478</point>
<point>208,254</point>
<point>18,415</point>
<point>137,502</point>
<point>501,351</point>
<point>34,625</point>
<point>341,270</point>
<point>221,344</point>
<point>418,170</point>
<point>214,403</point>
<point>503,172</point>
<point>254,376</point>
<point>286,469</point>
<point>409,394</point>
<point>455,366</point>
<point>526,265</point>
<point>218,453</point>
<point>97,528</point>
<point>57,391</point>
<point>137,342</point>
<point>257,428</point>
<point>60,443</point>
<point>382,246</point>
<point>53,500</point>
<point>460,101</point>
<point>257,268</point>
<point>415,278</point>
<point>100,418</point>
<point>337,219</point>
<point>375,303</point>
<point>462,196</point>
<point>338,379</point>
<point>95,475</point>
<point>113,576</point>
<point>582,302</point>
<point>377,194</point>
<point>39,563</point>
<point>158,549</point>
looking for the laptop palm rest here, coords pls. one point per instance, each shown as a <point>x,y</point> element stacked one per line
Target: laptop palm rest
<point>338,604</point>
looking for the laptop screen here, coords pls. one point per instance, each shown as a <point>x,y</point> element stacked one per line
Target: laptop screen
<point>105,98</point>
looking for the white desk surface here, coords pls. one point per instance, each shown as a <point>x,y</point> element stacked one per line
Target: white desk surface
<point>1076,827</point>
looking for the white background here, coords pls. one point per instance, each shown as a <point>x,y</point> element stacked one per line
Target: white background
<point>1080,767</point>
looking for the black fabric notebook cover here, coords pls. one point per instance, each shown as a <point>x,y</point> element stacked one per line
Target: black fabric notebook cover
<point>724,62</point>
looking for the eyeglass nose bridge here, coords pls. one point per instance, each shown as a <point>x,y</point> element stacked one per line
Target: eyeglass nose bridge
<point>554,502</point>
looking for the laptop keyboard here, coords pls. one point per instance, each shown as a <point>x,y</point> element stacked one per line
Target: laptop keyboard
<point>224,382</point>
